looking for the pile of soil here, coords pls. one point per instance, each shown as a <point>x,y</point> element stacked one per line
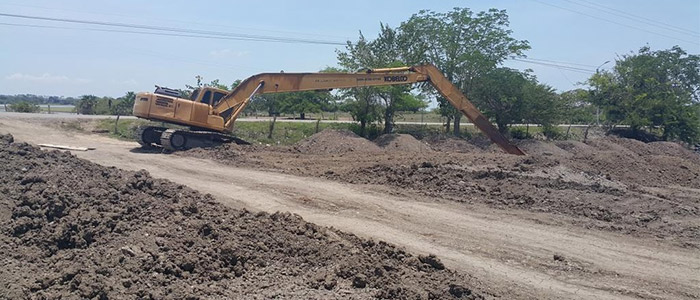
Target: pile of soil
<point>575,147</point>
<point>333,141</point>
<point>656,164</point>
<point>673,149</point>
<point>540,148</point>
<point>401,142</point>
<point>228,152</point>
<point>445,143</point>
<point>607,183</point>
<point>74,229</point>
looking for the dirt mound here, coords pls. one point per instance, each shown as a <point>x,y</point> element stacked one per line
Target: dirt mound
<point>539,148</point>
<point>635,146</point>
<point>74,229</point>
<point>227,152</point>
<point>401,142</point>
<point>610,144</point>
<point>673,149</point>
<point>445,143</point>
<point>632,169</point>
<point>575,147</point>
<point>332,141</point>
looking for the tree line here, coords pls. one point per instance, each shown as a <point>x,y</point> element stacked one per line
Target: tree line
<point>653,92</point>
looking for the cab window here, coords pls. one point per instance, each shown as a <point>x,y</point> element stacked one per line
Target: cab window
<point>194,95</point>
<point>217,98</point>
<point>207,97</point>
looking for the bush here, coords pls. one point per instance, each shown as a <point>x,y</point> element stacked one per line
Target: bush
<point>520,133</point>
<point>24,107</point>
<point>552,132</point>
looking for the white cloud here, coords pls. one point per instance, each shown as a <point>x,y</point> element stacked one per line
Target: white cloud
<point>227,53</point>
<point>46,78</point>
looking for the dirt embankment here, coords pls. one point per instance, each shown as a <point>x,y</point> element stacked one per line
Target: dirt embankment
<point>608,183</point>
<point>71,228</point>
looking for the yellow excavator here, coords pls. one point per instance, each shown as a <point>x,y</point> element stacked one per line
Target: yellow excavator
<point>210,113</point>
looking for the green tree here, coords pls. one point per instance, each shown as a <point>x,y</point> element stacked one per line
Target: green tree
<point>124,105</point>
<point>463,44</point>
<point>86,105</point>
<point>363,107</point>
<point>303,102</point>
<point>382,52</point>
<point>501,96</point>
<point>652,89</point>
<point>577,107</point>
<point>542,105</point>
<point>24,107</point>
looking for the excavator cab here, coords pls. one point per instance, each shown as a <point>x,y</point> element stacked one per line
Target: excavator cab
<point>208,95</point>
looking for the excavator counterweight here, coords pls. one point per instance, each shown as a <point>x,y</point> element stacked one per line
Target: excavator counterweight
<point>211,113</point>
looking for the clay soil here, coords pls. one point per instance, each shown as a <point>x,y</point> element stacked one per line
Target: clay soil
<point>73,229</point>
<point>612,184</point>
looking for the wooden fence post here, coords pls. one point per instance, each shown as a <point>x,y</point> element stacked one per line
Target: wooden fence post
<point>272,127</point>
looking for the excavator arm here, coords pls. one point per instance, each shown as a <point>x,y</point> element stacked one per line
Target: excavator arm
<point>231,105</point>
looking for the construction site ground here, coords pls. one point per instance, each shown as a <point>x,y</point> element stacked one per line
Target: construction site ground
<point>607,219</point>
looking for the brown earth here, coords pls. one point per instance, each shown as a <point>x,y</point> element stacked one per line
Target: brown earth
<point>333,141</point>
<point>614,184</point>
<point>450,144</point>
<point>72,228</point>
<point>518,252</point>
<point>401,142</point>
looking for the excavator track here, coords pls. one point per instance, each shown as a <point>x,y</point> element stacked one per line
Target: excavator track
<point>149,136</point>
<point>178,139</point>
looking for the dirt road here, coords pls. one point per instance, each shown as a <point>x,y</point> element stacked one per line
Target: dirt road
<point>514,254</point>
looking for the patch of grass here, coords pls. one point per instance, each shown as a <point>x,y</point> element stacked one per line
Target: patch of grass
<point>60,109</point>
<point>284,133</point>
<point>428,117</point>
<point>126,128</point>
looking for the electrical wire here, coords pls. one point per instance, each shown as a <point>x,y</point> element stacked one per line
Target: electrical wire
<point>543,62</point>
<point>177,30</point>
<point>637,18</point>
<point>561,67</point>
<point>138,32</point>
<point>178,21</point>
<point>615,22</point>
<point>560,62</point>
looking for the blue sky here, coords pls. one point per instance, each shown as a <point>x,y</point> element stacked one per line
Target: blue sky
<point>75,62</point>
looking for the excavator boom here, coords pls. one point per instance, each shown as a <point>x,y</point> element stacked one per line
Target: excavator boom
<point>209,113</point>
<point>233,104</point>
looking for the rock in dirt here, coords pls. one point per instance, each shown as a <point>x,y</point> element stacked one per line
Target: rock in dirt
<point>401,142</point>
<point>6,139</point>
<point>333,141</point>
<point>74,229</point>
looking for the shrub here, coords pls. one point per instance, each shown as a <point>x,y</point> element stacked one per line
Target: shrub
<point>24,107</point>
<point>552,132</point>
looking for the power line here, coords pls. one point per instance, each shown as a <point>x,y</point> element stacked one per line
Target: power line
<point>138,32</point>
<point>614,22</point>
<point>560,62</point>
<point>543,62</point>
<point>178,30</point>
<point>178,21</point>
<point>635,18</point>
<point>560,67</point>
<point>643,18</point>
